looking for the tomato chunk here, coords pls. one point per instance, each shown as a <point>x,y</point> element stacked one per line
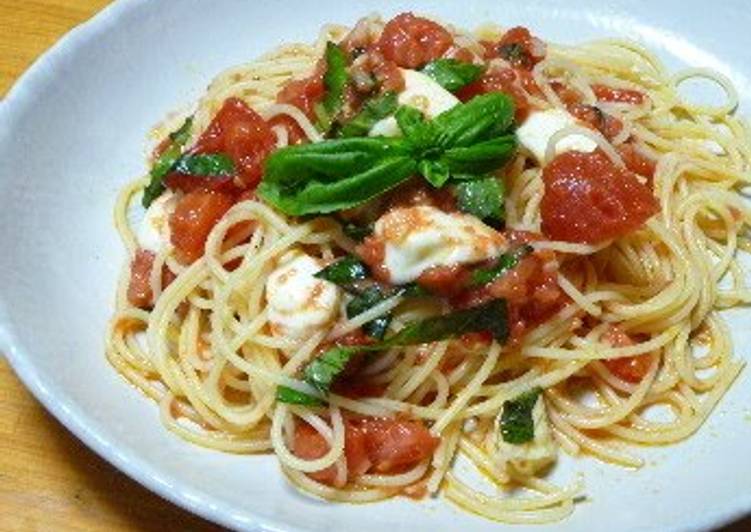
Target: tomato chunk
<point>636,160</point>
<point>597,119</point>
<point>304,93</point>
<point>395,445</point>
<point>241,133</point>
<point>630,369</point>
<point>412,41</point>
<point>609,94</point>
<point>139,287</point>
<point>519,47</point>
<point>195,215</point>
<point>589,199</point>
<point>507,81</point>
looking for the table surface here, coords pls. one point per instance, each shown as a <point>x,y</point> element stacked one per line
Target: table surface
<point>48,479</point>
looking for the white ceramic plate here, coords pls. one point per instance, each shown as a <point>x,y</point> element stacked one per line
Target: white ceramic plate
<point>72,133</point>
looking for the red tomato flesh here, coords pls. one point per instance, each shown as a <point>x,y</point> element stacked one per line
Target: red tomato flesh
<point>609,94</point>
<point>589,199</point>
<point>242,134</point>
<point>304,93</point>
<point>520,48</point>
<point>501,81</point>
<point>195,215</point>
<point>139,288</point>
<point>412,41</point>
<point>630,369</point>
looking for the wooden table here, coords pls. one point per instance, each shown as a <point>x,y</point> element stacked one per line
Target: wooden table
<point>48,479</point>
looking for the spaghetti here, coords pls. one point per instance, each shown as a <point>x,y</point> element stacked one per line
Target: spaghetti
<point>613,334</point>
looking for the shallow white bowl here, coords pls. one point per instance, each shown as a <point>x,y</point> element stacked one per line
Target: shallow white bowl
<point>72,133</point>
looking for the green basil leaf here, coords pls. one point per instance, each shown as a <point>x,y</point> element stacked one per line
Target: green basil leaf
<point>284,394</point>
<point>372,111</point>
<point>492,316</point>
<point>505,262</point>
<point>165,162</point>
<point>344,272</point>
<point>482,198</point>
<point>322,371</point>
<point>517,425</point>
<point>480,158</point>
<point>335,81</point>
<point>436,172</point>
<point>418,131</point>
<point>414,290</point>
<point>474,121</point>
<point>325,197</point>
<point>214,164</point>
<point>357,232</point>
<point>366,300</point>
<point>451,74</point>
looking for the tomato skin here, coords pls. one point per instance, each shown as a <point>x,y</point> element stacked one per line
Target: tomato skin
<point>630,369</point>
<point>411,41</point>
<point>139,287</point>
<point>604,93</point>
<point>589,199</point>
<point>395,445</point>
<point>304,93</point>
<point>242,134</point>
<point>195,215</point>
<point>500,81</point>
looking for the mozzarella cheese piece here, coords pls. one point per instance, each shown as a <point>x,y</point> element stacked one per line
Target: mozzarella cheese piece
<point>419,238</point>
<point>533,455</point>
<point>420,92</point>
<point>537,130</point>
<point>299,304</point>
<point>154,232</point>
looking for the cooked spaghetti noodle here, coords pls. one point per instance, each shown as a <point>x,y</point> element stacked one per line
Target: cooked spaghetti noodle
<point>634,350</point>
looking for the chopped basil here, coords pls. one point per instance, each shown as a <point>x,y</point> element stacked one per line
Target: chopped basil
<point>335,81</point>
<point>505,262</point>
<point>213,164</point>
<point>284,394</point>
<point>517,425</point>
<point>366,300</point>
<point>322,371</point>
<point>344,272</point>
<point>451,74</point>
<point>166,161</point>
<point>357,232</point>
<point>372,111</point>
<point>482,198</point>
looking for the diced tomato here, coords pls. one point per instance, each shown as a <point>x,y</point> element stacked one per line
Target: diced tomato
<point>195,215</point>
<point>460,53</point>
<point>189,183</point>
<point>500,81</point>
<point>636,160</point>
<point>304,93</point>
<point>597,119</point>
<point>412,41</point>
<point>519,47</point>
<point>139,288</point>
<point>610,94</point>
<point>589,199</point>
<point>372,251</point>
<point>395,445</point>
<point>446,281</point>
<point>630,369</point>
<point>388,76</point>
<point>241,133</point>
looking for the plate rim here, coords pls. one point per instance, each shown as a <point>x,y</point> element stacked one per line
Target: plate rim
<point>83,427</point>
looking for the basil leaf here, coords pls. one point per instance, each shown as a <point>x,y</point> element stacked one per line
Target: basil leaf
<point>451,74</point>
<point>436,172</point>
<point>414,290</point>
<point>419,132</point>
<point>474,121</point>
<point>480,158</point>
<point>344,272</point>
<point>214,164</point>
<point>165,162</point>
<point>284,394</point>
<point>505,262</point>
<point>492,316</point>
<point>357,232</point>
<point>322,371</point>
<point>366,300</point>
<point>517,425</point>
<point>335,80</point>
<point>372,111</point>
<point>482,198</point>
<point>325,197</point>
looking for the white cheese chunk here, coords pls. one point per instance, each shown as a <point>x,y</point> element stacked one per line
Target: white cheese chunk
<point>154,232</point>
<point>537,130</point>
<point>300,305</point>
<point>534,455</point>
<point>419,238</point>
<point>420,92</point>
